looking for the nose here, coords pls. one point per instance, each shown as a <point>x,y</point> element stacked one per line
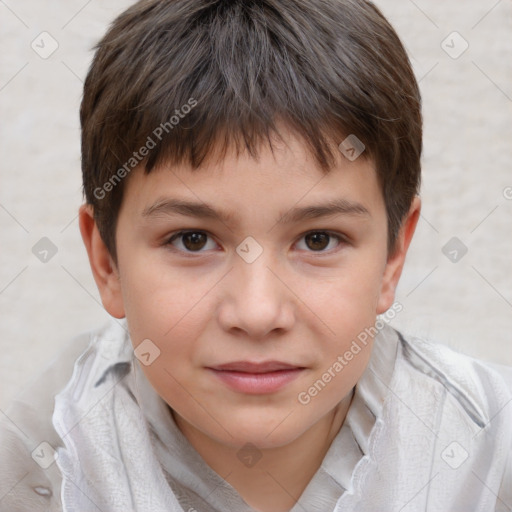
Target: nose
<point>256,300</point>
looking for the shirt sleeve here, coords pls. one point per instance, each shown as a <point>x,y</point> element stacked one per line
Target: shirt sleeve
<point>29,480</point>
<point>504,499</point>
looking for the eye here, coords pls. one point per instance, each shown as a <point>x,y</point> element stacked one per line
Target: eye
<point>190,241</point>
<point>196,241</point>
<point>318,241</point>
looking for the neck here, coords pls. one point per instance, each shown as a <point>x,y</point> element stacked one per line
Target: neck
<point>282,473</point>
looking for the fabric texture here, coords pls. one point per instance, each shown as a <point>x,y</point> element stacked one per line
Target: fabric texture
<point>428,429</point>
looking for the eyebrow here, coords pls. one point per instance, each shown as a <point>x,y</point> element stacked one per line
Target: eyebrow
<point>169,207</point>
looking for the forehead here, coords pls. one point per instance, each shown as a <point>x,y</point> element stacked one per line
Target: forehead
<point>283,180</point>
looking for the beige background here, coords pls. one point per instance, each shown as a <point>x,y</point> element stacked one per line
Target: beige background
<point>467,184</point>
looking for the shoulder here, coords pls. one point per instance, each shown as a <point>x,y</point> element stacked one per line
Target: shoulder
<point>479,387</point>
<point>479,392</point>
<point>28,477</point>
<point>504,503</point>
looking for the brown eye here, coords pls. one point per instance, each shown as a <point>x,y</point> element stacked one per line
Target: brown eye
<point>317,241</point>
<point>191,241</point>
<point>194,241</point>
<point>321,241</point>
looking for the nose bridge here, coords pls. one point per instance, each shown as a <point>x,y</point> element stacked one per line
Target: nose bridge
<point>253,261</point>
<point>257,279</point>
<point>256,300</point>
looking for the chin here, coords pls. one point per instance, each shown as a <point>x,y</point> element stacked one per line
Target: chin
<point>265,431</point>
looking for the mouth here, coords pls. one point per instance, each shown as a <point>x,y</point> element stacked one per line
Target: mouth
<point>256,377</point>
<point>255,367</point>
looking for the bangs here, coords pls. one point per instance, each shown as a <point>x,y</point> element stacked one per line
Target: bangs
<point>179,81</point>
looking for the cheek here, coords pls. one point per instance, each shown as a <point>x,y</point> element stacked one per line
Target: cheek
<point>157,297</point>
<point>349,311</point>
<point>348,301</point>
<point>169,308</point>
<point>172,321</point>
<point>173,325</point>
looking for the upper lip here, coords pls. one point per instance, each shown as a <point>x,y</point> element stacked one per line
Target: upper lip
<point>253,367</point>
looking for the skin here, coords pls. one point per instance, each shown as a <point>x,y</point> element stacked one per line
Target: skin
<point>301,301</point>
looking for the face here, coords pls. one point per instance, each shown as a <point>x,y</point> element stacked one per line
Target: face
<point>247,261</point>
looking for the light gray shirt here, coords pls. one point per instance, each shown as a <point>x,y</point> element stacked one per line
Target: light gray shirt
<point>428,430</point>
<point>200,488</point>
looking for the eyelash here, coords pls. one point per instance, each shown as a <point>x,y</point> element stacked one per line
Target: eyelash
<point>340,238</point>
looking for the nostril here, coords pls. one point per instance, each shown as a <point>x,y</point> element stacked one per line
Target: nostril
<point>42,491</point>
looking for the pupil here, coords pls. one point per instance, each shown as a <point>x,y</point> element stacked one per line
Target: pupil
<point>320,240</point>
<point>197,240</point>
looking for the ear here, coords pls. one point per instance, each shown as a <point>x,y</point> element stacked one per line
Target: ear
<point>103,267</point>
<point>396,260</point>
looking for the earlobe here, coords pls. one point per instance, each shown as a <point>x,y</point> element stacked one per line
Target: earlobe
<point>395,262</point>
<point>103,267</point>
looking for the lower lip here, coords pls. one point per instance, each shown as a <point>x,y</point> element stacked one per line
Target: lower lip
<point>257,383</point>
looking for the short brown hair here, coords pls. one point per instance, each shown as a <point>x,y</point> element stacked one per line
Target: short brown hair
<point>326,68</point>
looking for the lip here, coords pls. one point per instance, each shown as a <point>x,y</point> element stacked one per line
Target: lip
<point>255,367</point>
<point>256,378</point>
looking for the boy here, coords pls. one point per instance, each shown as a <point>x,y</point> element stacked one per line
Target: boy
<point>251,172</point>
